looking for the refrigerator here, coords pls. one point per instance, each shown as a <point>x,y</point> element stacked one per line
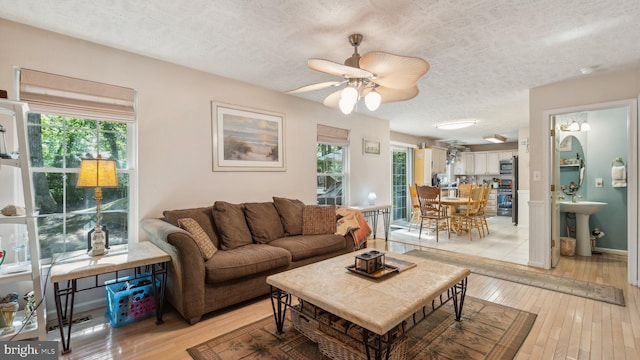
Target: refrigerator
<point>507,193</point>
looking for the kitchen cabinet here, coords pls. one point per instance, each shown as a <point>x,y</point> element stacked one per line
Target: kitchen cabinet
<point>507,155</point>
<point>427,162</point>
<point>486,163</point>
<point>464,164</point>
<point>492,202</point>
<point>26,269</point>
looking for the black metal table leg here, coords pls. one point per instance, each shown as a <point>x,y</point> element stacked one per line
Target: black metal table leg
<point>283,300</point>
<point>460,290</point>
<point>375,347</point>
<point>159,270</point>
<point>62,314</point>
<point>386,218</point>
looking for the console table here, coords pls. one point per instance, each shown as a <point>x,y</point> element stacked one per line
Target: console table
<point>76,265</point>
<point>371,212</point>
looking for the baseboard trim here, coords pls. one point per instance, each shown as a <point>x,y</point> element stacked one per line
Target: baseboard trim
<point>612,251</point>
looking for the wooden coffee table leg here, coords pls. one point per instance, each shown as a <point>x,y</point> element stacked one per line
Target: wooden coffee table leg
<point>280,300</point>
<point>459,292</point>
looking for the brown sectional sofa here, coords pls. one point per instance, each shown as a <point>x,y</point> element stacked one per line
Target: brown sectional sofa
<point>250,242</point>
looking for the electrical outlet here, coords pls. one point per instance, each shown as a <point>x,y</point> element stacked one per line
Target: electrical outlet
<point>599,182</point>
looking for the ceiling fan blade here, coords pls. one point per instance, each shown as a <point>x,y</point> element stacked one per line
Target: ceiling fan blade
<point>390,94</point>
<point>333,99</point>
<point>394,71</point>
<point>318,86</point>
<point>336,69</point>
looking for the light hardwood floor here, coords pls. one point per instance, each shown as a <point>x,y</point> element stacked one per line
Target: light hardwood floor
<point>567,327</point>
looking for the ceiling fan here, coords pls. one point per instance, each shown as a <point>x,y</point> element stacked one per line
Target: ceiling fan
<point>377,76</point>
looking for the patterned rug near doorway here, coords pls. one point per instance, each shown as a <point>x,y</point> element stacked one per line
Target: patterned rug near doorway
<point>486,331</point>
<point>605,293</point>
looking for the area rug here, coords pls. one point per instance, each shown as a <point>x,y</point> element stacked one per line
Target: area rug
<point>605,293</point>
<point>486,331</point>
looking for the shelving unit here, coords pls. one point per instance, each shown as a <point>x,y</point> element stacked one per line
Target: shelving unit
<point>18,110</point>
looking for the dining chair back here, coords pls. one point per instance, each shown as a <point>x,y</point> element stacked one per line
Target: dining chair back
<point>470,219</point>
<point>464,190</point>
<point>415,207</point>
<point>432,210</point>
<point>483,208</point>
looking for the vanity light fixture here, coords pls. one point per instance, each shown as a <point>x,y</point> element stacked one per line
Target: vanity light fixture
<point>455,124</point>
<point>495,138</point>
<point>585,126</point>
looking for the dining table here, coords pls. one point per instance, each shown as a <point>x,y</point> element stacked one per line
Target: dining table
<point>453,203</point>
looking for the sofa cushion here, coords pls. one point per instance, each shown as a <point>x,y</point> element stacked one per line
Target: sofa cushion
<point>231,224</point>
<point>290,211</point>
<point>305,246</point>
<point>318,220</point>
<point>263,221</point>
<point>201,215</point>
<point>202,240</point>
<point>245,261</point>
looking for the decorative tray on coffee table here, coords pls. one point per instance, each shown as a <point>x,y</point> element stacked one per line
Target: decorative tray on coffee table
<point>380,273</point>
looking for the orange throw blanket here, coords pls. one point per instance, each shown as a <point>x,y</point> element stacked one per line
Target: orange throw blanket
<point>352,220</point>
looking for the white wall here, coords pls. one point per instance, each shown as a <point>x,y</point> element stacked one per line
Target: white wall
<point>174,125</point>
<point>584,91</point>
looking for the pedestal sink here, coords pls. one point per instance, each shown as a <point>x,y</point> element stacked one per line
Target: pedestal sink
<point>582,209</point>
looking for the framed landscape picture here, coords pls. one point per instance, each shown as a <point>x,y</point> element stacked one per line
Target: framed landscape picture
<point>246,139</point>
<point>371,147</point>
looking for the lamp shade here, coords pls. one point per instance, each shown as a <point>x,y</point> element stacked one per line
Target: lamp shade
<point>372,100</point>
<point>97,173</point>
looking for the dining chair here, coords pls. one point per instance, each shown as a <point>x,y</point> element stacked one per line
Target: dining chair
<point>483,208</point>
<point>415,207</point>
<point>470,218</point>
<point>432,210</point>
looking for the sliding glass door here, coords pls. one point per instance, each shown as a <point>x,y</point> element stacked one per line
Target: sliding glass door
<point>400,179</point>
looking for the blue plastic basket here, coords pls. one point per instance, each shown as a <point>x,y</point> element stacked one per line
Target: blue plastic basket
<point>125,306</point>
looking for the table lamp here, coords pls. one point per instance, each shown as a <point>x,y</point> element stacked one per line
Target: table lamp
<point>97,173</point>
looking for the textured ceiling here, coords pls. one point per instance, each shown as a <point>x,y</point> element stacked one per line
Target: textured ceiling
<point>484,54</point>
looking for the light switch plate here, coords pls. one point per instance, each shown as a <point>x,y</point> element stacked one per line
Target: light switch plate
<point>536,176</point>
<point>598,182</point>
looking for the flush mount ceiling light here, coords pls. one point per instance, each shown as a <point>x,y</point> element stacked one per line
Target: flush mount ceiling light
<point>455,124</point>
<point>495,138</point>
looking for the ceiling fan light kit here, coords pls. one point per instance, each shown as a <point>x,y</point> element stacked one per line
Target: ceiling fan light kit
<point>455,124</point>
<point>377,76</point>
<point>495,138</point>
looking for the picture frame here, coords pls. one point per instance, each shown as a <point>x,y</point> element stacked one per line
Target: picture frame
<point>370,147</point>
<point>247,139</point>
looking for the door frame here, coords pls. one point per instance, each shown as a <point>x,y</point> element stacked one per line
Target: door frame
<point>410,162</point>
<point>632,180</point>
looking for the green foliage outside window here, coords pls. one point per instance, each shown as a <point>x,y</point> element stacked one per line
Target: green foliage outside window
<point>57,144</point>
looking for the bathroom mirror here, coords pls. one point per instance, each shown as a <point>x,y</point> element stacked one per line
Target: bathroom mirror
<point>572,162</point>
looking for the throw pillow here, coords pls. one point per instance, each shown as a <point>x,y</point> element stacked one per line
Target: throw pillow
<point>231,224</point>
<point>200,236</point>
<point>290,212</point>
<point>202,216</point>
<point>318,220</point>
<point>264,221</point>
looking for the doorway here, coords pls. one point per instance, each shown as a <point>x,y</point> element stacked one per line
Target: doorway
<point>613,135</point>
<point>400,179</point>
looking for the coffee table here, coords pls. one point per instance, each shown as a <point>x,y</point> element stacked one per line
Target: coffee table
<point>379,306</point>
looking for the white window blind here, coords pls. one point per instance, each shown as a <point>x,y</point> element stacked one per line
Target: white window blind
<point>51,93</point>
<point>332,135</point>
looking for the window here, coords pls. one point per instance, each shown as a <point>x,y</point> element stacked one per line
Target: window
<point>67,213</point>
<point>331,156</point>
<point>331,175</point>
<point>400,187</point>
<point>72,119</point>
